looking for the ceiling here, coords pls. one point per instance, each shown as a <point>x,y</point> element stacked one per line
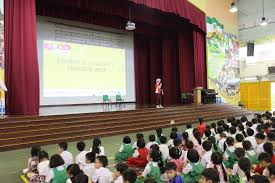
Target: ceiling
<point>249,16</point>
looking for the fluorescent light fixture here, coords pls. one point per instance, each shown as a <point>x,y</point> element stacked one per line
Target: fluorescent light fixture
<point>233,8</point>
<point>263,22</point>
<point>250,79</point>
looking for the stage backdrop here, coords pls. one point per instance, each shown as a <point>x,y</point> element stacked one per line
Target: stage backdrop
<point>223,68</point>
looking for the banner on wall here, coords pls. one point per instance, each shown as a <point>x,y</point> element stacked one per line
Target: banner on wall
<point>223,68</point>
<point>2,85</point>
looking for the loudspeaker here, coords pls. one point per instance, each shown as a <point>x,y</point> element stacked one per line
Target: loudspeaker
<point>271,70</point>
<point>250,49</point>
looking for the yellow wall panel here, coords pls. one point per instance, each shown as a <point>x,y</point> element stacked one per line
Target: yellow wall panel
<point>256,95</point>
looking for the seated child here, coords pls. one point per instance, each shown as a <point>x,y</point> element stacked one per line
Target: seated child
<point>171,173</point>
<point>243,173</point>
<point>129,176</point>
<point>173,136</point>
<point>43,166</point>
<point>240,153</point>
<point>239,140</point>
<point>232,131</point>
<point>206,157</point>
<point>271,173</point>
<point>219,131</point>
<point>57,165</point>
<point>189,145</point>
<point>97,148</point>
<point>81,178</point>
<point>260,139</point>
<point>102,174</point>
<point>158,135</point>
<point>73,170</point>
<point>250,138</point>
<point>139,158</point>
<point>125,151</point>
<point>120,168</point>
<point>213,129</point>
<point>89,168</point>
<point>80,159</point>
<point>229,154</point>
<point>264,162</point>
<point>210,175</point>
<point>216,163</point>
<point>178,145</point>
<point>201,126</point>
<point>163,147</point>
<point>268,148</point>
<point>175,158</point>
<point>33,160</point>
<point>250,153</point>
<point>138,136</point>
<point>221,141</point>
<point>153,167</point>
<point>189,130</point>
<point>152,140</point>
<point>192,169</point>
<point>66,155</point>
<point>259,179</point>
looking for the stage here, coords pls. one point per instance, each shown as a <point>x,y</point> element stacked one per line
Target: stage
<point>73,123</point>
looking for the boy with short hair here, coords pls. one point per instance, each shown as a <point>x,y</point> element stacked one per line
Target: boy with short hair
<point>163,147</point>
<point>260,139</point>
<point>80,159</point>
<point>152,140</point>
<point>206,157</point>
<point>171,172</point>
<point>120,169</point>
<point>66,155</point>
<point>102,174</point>
<point>89,168</point>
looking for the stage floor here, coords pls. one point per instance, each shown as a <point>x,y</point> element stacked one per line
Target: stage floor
<point>93,108</point>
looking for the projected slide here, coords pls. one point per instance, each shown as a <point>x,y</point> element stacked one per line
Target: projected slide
<point>71,69</point>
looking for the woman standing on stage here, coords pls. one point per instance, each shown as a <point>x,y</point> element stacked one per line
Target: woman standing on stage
<point>158,92</point>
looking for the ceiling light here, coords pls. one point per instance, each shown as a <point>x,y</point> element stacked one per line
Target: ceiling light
<point>263,22</point>
<point>233,8</point>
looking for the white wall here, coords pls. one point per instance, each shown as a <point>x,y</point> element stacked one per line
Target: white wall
<point>46,30</point>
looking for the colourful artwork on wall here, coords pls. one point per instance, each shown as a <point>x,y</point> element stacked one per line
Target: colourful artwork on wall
<point>223,68</point>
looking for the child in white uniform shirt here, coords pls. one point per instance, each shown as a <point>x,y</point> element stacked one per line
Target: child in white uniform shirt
<point>81,157</point>
<point>163,147</point>
<point>43,166</point>
<point>120,169</point>
<point>97,148</point>
<point>206,157</point>
<point>222,141</point>
<point>102,174</point>
<point>89,168</point>
<point>173,136</point>
<point>152,140</point>
<point>66,155</point>
<point>250,137</point>
<point>138,136</point>
<point>260,139</point>
<point>239,140</point>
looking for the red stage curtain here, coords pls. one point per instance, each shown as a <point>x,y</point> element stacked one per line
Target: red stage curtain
<point>199,58</point>
<point>183,8</point>
<point>21,65</point>
<point>142,64</point>
<point>186,61</point>
<point>170,71</point>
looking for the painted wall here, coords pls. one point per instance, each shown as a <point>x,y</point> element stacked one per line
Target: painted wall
<point>223,68</point>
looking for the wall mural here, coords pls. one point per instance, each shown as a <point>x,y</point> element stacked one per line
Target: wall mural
<point>223,67</point>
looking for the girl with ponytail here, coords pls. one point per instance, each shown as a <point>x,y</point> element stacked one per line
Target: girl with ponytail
<point>216,162</point>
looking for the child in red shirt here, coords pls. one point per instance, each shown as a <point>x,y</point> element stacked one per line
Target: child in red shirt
<point>139,158</point>
<point>201,127</point>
